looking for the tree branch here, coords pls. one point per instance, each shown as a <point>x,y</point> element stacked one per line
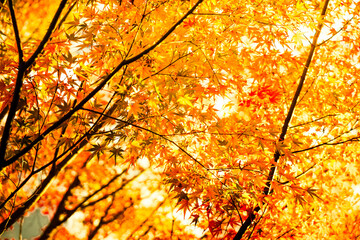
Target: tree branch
<point>18,85</point>
<point>285,127</point>
<point>342,28</point>
<point>23,67</point>
<point>150,131</point>
<point>328,143</point>
<point>68,155</point>
<point>48,33</point>
<point>315,120</point>
<point>16,32</point>
<point>105,80</point>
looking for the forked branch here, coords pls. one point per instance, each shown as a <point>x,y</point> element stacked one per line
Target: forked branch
<point>105,80</point>
<point>22,69</point>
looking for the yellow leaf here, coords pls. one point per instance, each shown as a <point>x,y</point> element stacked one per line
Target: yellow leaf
<point>185,100</point>
<point>136,144</point>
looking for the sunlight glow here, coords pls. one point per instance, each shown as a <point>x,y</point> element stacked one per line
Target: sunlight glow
<point>223,107</point>
<point>75,225</point>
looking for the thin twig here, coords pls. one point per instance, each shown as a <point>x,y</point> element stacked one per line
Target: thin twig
<point>150,131</point>
<point>346,23</point>
<point>23,68</point>
<point>315,120</point>
<point>285,127</point>
<point>105,80</point>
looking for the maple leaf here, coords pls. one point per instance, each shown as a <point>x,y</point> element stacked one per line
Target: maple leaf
<point>195,219</point>
<point>134,109</point>
<point>189,23</point>
<point>351,168</point>
<point>183,202</point>
<point>84,82</point>
<point>313,193</point>
<point>185,100</point>
<point>116,152</point>
<point>299,199</point>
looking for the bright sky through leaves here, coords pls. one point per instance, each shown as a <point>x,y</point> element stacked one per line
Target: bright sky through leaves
<point>191,119</point>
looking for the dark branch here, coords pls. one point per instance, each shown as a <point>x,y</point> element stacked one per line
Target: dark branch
<point>23,67</point>
<point>67,156</point>
<point>48,33</point>
<point>285,127</point>
<point>105,80</point>
<point>16,32</point>
<point>329,143</point>
<point>18,85</point>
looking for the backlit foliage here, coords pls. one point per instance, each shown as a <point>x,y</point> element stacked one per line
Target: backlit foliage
<point>242,114</point>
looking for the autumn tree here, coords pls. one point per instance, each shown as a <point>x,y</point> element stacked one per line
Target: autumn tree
<point>112,128</point>
<point>247,110</point>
